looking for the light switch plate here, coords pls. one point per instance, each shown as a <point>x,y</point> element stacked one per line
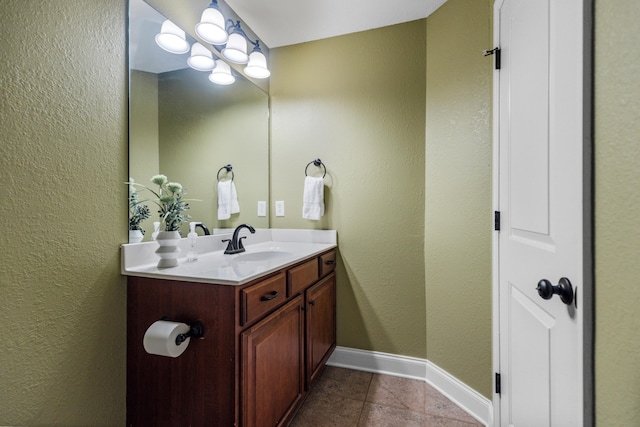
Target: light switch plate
<point>262,208</point>
<point>279,207</point>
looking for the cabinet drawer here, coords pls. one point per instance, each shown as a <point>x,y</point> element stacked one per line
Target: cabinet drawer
<point>327,263</point>
<point>302,276</point>
<point>262,297</point>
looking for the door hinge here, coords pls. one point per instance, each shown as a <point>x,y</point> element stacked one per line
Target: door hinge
<point>496,220</point>
<point>496,52</point>
<point>498,385</point>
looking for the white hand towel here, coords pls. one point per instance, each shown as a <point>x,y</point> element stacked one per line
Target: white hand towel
<point>227,199</point>
<point>235,207</point>
<point>313,198</point>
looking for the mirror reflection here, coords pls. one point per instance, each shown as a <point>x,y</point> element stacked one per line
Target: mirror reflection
<point>186,127</point>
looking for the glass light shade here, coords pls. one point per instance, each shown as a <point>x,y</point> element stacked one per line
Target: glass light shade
<point>221,73</point>
<point>172,39</point>
<point>236,49</point>
<point>257,66</point>
<point>201,58</point>
<point>211,27</point>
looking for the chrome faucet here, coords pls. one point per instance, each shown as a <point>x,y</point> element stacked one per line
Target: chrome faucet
<point>235,244</point>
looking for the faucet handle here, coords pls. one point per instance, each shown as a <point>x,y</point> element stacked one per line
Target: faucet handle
<point>240,245</point>
<point>229,249</point>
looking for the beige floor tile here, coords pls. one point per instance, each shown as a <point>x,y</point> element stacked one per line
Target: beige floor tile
<point>375,415</point>
<point>437,404</point>
<point>398,392</point>
<point>338,400</point>
<point>327,410</point>
<point>344,382</point>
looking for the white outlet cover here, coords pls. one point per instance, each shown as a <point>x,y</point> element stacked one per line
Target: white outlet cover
<point>262,208</point>
<point>279,207</point>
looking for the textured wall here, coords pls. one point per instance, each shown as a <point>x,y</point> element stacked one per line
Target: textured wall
<point>357,102</point>
<point>458,191</point>
<point>617,186</point>
<point>63,133</point>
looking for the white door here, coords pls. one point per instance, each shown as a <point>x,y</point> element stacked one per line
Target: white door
<point>540,179</point>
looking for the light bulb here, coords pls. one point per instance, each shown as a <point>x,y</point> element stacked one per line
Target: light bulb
<point>172,39</point>
<point>211,27</point>
<point>201,58</point>
<point>221,73</point>
<point>257,66</point>
<point>236,49</point>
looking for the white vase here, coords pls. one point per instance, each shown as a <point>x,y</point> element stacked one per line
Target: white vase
<point>135,236</point>
<point>168,249</point>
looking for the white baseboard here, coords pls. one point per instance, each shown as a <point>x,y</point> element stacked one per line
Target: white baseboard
<point>455,390</point>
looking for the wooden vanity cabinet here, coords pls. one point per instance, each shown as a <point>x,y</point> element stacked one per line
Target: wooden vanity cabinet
<point>264,344</point>
<point>320,325</point>
<point>273,366</point>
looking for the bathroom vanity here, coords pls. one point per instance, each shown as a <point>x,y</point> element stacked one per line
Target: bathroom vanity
<point>269,318</point>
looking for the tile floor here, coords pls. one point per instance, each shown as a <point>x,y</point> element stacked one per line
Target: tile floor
<point>348,398</point>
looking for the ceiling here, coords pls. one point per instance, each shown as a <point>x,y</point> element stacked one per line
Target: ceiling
<point>286,22</point>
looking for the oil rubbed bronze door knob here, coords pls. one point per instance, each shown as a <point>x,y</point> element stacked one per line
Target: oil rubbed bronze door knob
<point>546,290</point>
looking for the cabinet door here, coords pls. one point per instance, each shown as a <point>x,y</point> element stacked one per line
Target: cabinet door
<point>321,325</point>
<point>272,367</point>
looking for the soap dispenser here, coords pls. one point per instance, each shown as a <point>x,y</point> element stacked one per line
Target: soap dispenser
<point>192,255</point>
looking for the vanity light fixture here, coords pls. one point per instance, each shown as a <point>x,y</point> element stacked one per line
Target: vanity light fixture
<point>201,58</point>
<point>257,66</point>
<point>172,39</point>
<point>231,42</point>
<point>221,73</point>
<point>236,48</point>
<point>211,27</point>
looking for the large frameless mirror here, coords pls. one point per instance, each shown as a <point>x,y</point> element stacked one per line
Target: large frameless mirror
<point>186,127</point>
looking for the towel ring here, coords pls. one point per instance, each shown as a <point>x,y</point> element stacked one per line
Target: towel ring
<point>317,163</point>
<point>229,168</point>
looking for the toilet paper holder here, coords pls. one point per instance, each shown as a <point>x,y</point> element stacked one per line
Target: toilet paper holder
<point>196,330</point>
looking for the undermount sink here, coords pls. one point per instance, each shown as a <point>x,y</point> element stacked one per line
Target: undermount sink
<point>266,255</point>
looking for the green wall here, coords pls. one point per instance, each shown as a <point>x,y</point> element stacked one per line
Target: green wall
<point>357,103</point>
<point>187,128</point>
<point>144,154</point>
<point>63,133</point>
<point>203,127</point>
<point>617,218</point>
<point>458,191</point>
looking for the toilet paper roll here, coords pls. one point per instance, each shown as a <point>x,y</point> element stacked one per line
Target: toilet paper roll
<point>161,336</point>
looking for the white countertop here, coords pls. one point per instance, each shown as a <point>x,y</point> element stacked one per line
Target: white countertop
<point>267,250</point>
